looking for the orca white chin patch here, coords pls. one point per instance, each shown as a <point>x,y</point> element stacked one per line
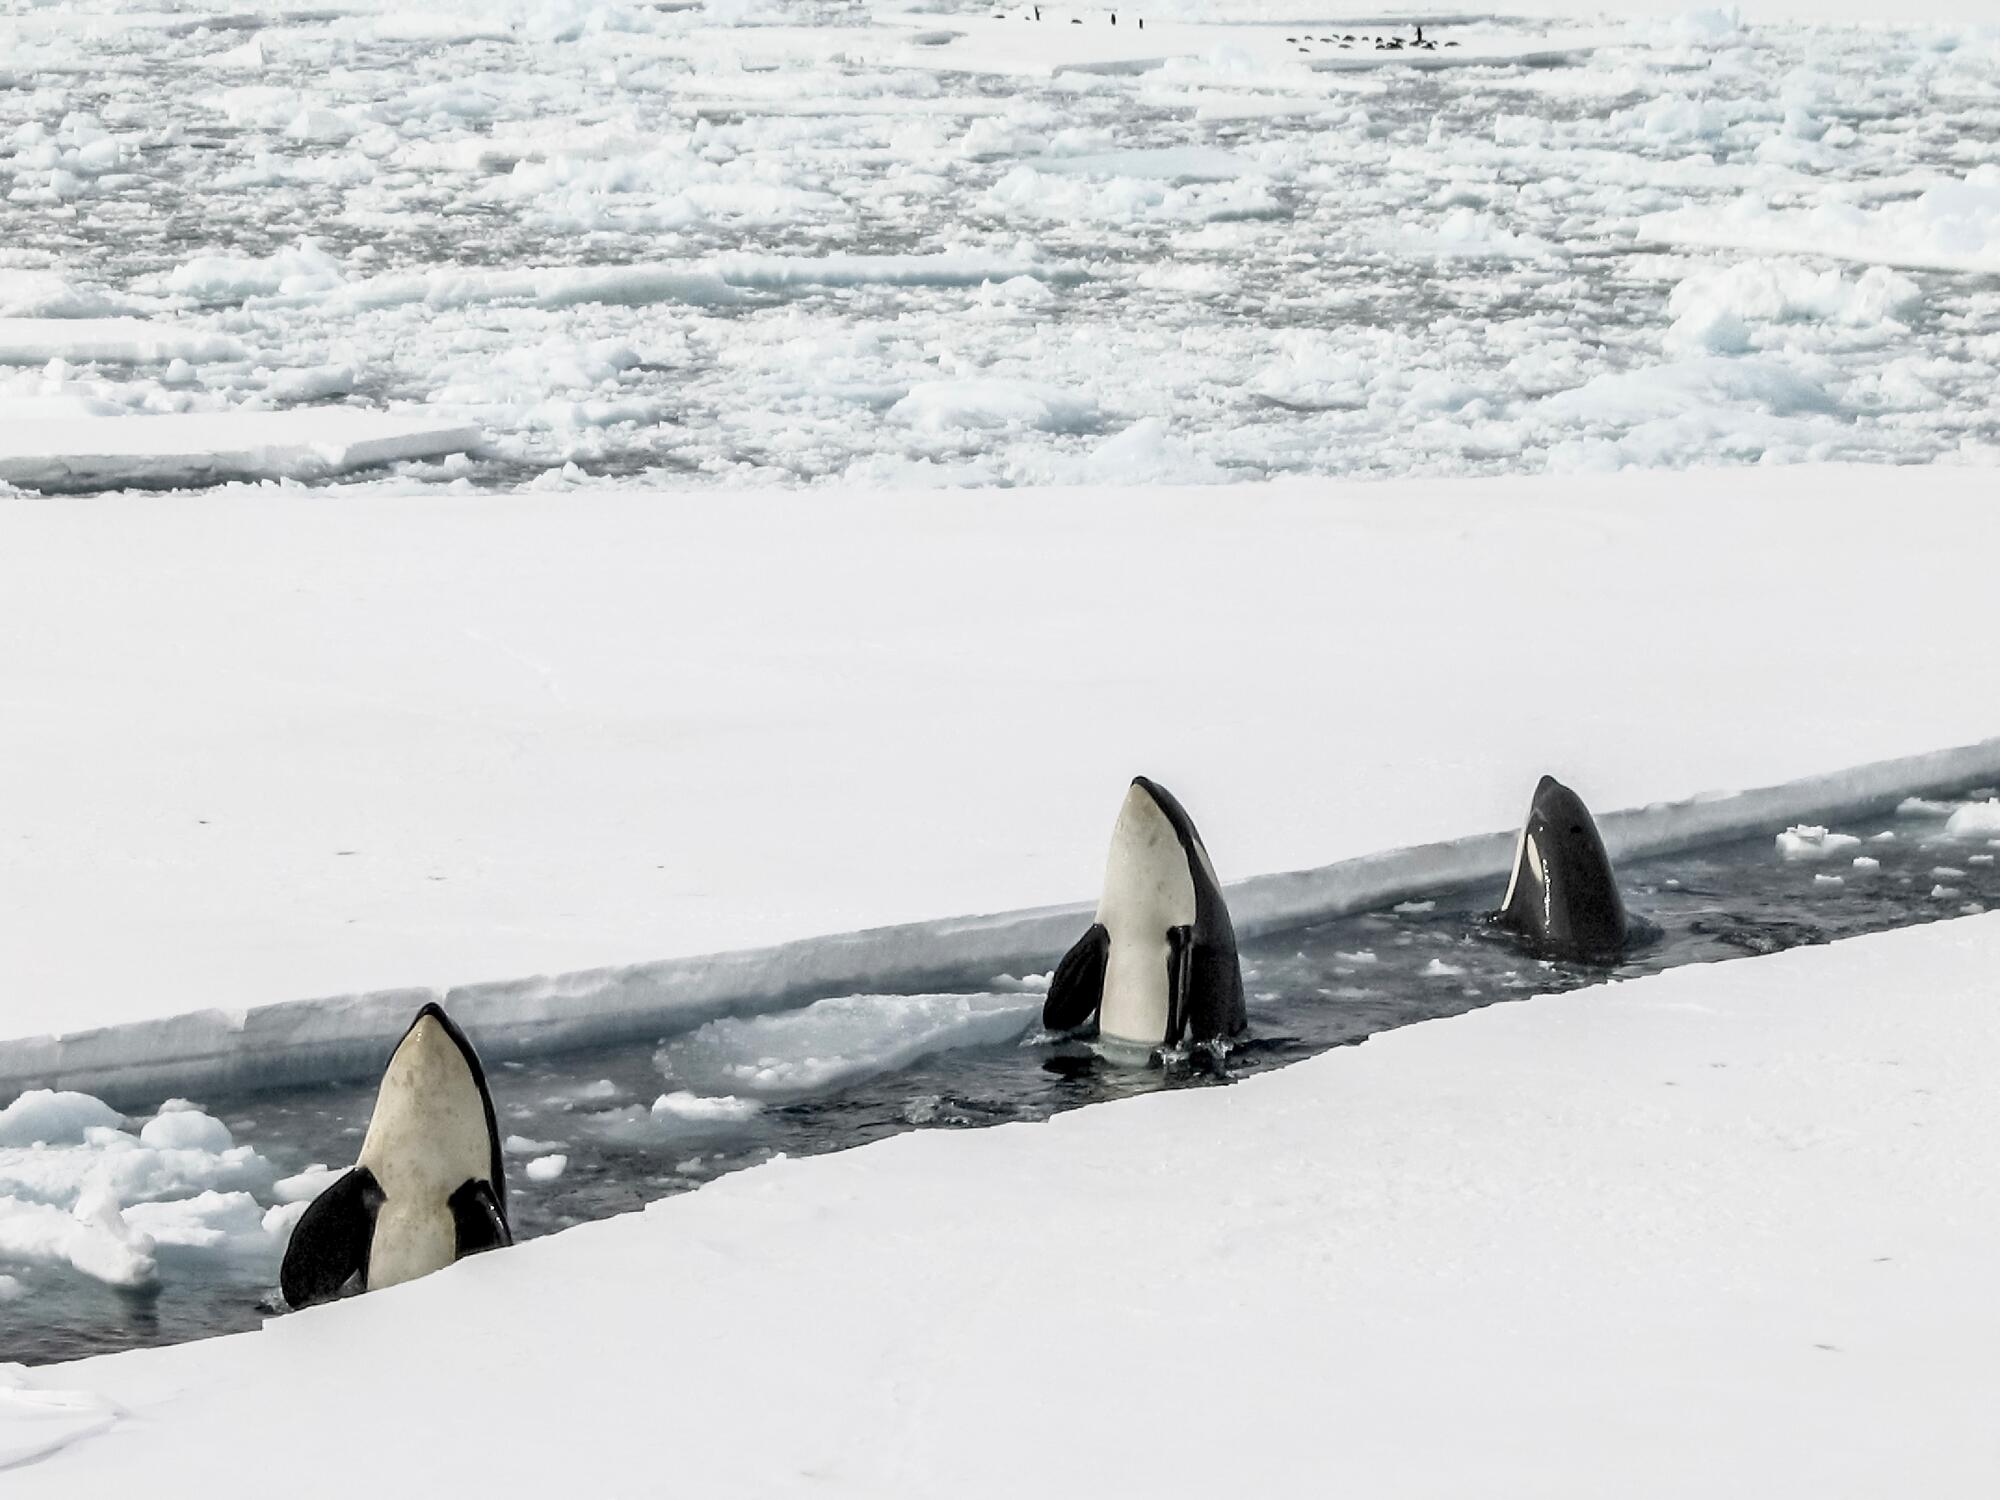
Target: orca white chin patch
<point>1147,890</point>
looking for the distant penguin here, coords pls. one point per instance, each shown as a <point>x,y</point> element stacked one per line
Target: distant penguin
<point>1158,968</point>
<point>429,1186</point>
<point>1563,899</point>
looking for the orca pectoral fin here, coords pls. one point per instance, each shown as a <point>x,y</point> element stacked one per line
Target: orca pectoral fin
<point>329,1244</point>
<point>1078,986</point>
<point>1213,1003</point>
<point>476,1216</point>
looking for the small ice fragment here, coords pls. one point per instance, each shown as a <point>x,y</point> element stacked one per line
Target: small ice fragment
<point>1943,892</point>
<point>1922,807</point>
<point>1974,820</point>
<point>11,1289</point>
<point>520,1145</point>
<point>1413,907</point>
<point>303,1187</point>
<point>56,1117</point>
<point>1359,956</point>
<point>1946,872</point>
<point>683,1105</point>
<point>1828,880</point>
<point>181,1126</point>
<point>1863,862</point>
<point>1805,841</point>
<point>1437,968</point>
<point>1885,837</point>
<point>1979,859</point>
<point>546,1168</point>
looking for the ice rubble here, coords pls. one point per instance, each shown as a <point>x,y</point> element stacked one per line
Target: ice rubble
<point>78,1189</point>
<point>716,202</point>
<point>1755,1197</point>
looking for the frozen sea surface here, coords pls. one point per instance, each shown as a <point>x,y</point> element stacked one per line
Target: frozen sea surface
<point>636,243</point>
<point>156,1234</point>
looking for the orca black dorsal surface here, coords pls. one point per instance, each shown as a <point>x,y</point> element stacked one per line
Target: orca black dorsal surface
<point>430,1185</point>
<point>1159,966</point>
<point>1563,897</point>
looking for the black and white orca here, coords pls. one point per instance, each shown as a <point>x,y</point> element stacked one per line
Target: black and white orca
<point>1158,968</point>
<point>429,1187</point>
<point>1563,899</point>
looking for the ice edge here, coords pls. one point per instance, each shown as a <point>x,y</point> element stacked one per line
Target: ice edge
<point>316,1040</point>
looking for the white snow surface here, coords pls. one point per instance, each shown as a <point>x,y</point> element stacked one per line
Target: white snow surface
<point>1726,1231</point>
<point>392,745</point>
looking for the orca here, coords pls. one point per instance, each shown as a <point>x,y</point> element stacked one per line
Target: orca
<point>429,1187</point>
<point>1158,968</point>
<point>1562,898</point>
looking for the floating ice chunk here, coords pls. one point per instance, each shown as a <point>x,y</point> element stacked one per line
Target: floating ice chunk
<point>1974,820</point>
<point>1944,892</point>
<point>837,1042</point>
<point>1413,908</point>
<point>1828,880</point>
<point>1864,863</point>
<point>110,341</point>
<point>307,443</point>
<point>56,1118</point>
<point>990,402</point>
<point>1924,807</point>
<point>547,1168</point>
<point>93,1237</point>
<point>1805,841</point>
<point>682,1105</point>
<point>1946,872</point>
<point>248,58</point>
<point>231,1224</point>
<point>303,270</point>
<point>520,1145</point>
<point>181,1126</point>
<point>303,1187</point>
<point>44,294</point>
<point>11,1290</point>
<point>1361,956</point>
<point>1148,453</point>
<point>1437,968</point>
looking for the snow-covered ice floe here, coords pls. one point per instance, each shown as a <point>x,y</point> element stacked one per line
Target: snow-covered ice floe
<point>93,452</point>
<point>1725,1231</point>
<point>744,751</point>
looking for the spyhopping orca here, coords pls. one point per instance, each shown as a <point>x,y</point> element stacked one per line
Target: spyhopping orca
<point>1563,898</point>
<point>1159,965</point>
<point>429,1186</point>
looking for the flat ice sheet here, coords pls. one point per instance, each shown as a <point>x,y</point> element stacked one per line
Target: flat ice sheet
<point>106,452</point>
<point>279,749</point>
<point>1723,1232</point>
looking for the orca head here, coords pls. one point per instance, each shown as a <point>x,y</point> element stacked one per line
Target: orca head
<point>1562,895</point>
<point>1161,898</point>
<point>431,1132</point>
